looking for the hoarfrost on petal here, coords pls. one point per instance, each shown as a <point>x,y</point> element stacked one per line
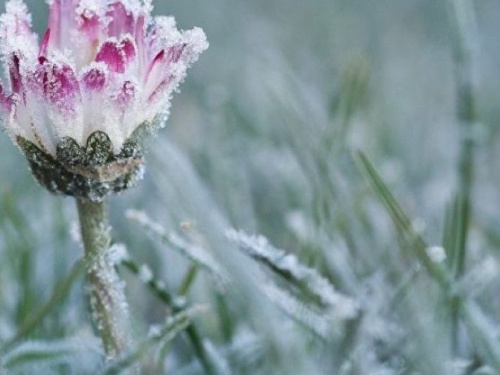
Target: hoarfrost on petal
<point>94,77</point>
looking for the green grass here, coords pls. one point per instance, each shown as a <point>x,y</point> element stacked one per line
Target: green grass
<point>353,135</point>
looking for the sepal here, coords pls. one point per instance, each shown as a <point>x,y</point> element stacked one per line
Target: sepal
<point>93,172</point>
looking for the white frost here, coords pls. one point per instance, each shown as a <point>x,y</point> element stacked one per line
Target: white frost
<point>436,253</point>
<point>145,274</point>
<point>195,253</point>
<point>259,248</point>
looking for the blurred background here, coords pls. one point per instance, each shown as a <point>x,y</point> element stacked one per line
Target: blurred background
<point>263,138</point>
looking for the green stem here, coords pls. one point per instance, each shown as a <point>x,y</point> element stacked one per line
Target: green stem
<point>107,296</point>
<point>191,331</point>
<point>188,280</point>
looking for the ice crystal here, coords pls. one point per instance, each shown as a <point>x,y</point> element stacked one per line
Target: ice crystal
<point>195,253</point>
<point>145,274</point>
<point>259,248</point>
<point>436,253</point>
<point>247,347</point>
<point>300,311</point>
<point>118,253</point>
<point>154,330</point>
<point>75,232</point>
<point>107,296</point>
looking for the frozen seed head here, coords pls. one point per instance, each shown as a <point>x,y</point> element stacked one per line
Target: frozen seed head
<point>102,75</point>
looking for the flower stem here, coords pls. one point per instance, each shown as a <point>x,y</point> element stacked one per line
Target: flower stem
<point>107,296</point>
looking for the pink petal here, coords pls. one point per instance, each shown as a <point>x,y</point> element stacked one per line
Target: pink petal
<point>163,29</point>
<point>125,95</point>
<point>168,70</point>
<point>128,48</point>
<point>90,25</point>
<point>15,73</point>
<point>94,79</point>
<point>44,44</point>
<point>163,87</point>
<point>117,55</point>
<point>59,85</point>
<point>155,64</point>
<point>15,25</point>
<point>62,19</point>
<point>174,53</point>
<point>90,20</point>
<point>6,102</point>
<point>19,18</point>
<point>140,37</point>
<point>122,20</point>
<point>111,55</point>
<point>55,22</point>
<point>158,72</point>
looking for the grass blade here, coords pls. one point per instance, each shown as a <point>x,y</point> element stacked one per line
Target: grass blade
<point>59,293</point>
<point>175,324</point>
<point>402,222</point>
<point>480,330</point>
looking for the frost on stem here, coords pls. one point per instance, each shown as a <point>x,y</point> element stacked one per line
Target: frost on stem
<point>108,304</point>
<point>106,290</point>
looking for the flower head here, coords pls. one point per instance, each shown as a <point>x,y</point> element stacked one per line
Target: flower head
<point>102,70</point>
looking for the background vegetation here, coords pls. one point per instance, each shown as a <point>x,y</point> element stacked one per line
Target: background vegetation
<point>265,137</point>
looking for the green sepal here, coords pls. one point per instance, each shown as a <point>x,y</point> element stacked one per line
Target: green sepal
<point>99,150</point>
<point>93,173</point>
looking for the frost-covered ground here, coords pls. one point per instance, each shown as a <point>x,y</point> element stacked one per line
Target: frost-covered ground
<point>258,220</point>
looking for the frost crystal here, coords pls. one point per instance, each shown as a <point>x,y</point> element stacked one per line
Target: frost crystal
<point>107,298</point>
<point>436,253</point>
<point>259,248</point>
<point>75,233</point>
<point>145,274</point>
<point>102,69</point>
<point>317,322</point>
<point>118,253</point>
<point>154,331</point>
<point>195,253</point>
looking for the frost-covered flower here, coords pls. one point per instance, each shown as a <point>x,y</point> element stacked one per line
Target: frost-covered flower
<point>103,70</point>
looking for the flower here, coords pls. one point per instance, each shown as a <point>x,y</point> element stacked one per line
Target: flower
<point>103,71</point>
